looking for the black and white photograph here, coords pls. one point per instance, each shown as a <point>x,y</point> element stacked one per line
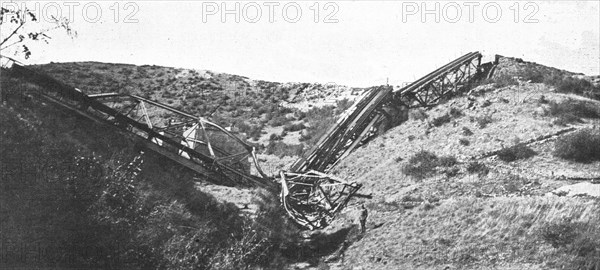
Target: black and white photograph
<point>300,135</point>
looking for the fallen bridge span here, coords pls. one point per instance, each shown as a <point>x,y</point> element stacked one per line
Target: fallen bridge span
<point>309,194</point>
<point>191,141</point>
<point>312,196</point>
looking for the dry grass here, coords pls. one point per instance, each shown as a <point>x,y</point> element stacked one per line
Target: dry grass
<point>466,232</point>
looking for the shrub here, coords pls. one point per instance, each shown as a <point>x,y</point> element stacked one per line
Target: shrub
<point>421,164</point>
<point>278,121</point>
<point>484,120</point>
<point>464,142</point>
<point>558,234</point>
<point>438,121</point>
<point>553,79</point>
<point>417,114</point>
<point>467,131</point>
<point>578,86</point>
<point>447,161</point>
<point>319,121</point>
<point>255,131</point>
<point>576,242</point>
<point>275,137</point>
<point>263,240</point>
<point>570,111</point>
<point>516,152</point>
<point>424,163</point>
<point>454,112</point>
<point>533,75</point>
<point>477,167</point>
<point>343,105</point>
<point>282,149</point>
<point>566,119</point>
<point>581,146</point>
<point>451,172</point>
<point>294,127</point>
<point>300,115</point>
<point>305,137</point>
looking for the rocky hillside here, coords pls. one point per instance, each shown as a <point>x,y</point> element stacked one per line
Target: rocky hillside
<point>499,178</point>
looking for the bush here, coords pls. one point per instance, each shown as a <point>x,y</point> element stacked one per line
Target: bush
<point>243,127</point>
<point>343,104</point>
<point>294,127</point>
<point>319,121</point>
<point>305,137</point>
<point>570,111</point>
<point>566,119</point>
<point>533,75</point>
<point>438,121</point>
<point>464,142</point>
<point>282,149</point>
<point>424,164</point>
<point>275,137</point>
<point>451,172</point>
<point>558,234</point>
<point>467,131</point>
<point>516,152</point>
<point>566,84</point>
<point>484,120</point>
<point>278,121</point>
<point>578,86</point>
<point>421,164</point>
<point>576,243</point>
<point>479,168</point>
<point>417,114</point>
<point>447,161</point>
<point>256,131</point>
<point>581,146</point>
<point>454,112</point>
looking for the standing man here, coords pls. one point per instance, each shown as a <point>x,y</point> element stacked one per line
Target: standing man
<point>363,218</point>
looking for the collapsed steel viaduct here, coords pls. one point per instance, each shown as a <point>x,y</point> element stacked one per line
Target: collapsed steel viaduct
<point>309,195</point>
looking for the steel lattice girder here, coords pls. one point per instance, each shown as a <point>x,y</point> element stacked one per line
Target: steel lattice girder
<point>137,126</point>
<point>312,199</point>
<point>358,124</point>
<point>309,196</point>
<point>360,121</point>
<point>343,134</point>
<point>449,79</point>
<point>201,138</point>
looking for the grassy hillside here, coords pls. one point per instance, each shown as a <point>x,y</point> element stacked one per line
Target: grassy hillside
<point>258,109</point>
<point>467,184</point>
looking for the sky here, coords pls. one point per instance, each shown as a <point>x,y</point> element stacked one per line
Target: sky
<point>354,43</point>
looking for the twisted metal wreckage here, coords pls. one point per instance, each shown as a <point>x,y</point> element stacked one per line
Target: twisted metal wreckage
<point>309,194</point>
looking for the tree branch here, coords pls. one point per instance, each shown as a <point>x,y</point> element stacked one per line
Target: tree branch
<point>12,34</point>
